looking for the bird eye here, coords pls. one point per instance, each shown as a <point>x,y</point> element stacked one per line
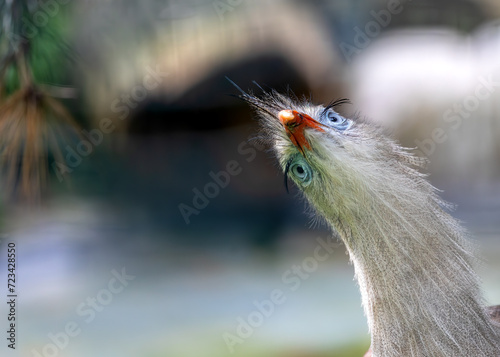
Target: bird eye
<point>336,120</point>
<point>302,172</point>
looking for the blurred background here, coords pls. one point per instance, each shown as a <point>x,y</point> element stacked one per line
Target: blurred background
<point>118,128</point>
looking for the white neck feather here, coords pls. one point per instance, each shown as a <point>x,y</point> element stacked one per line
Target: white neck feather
<point>412,260</point>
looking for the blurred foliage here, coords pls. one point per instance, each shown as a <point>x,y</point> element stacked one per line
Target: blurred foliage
<point>353,349</point>
<point>47,50</point>
<point>35,60</point>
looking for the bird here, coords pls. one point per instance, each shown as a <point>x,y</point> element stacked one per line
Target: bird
<point>413,261</point>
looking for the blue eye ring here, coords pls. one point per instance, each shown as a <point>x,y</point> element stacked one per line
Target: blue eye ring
<point>336,120</point>
<point>300,171</point>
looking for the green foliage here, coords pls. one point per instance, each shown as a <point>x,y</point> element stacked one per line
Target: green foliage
<point>46,47</point>
<point>354,349</point>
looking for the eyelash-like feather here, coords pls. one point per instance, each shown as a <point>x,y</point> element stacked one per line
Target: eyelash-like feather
<point>287,168</point>
<point>335,103</point>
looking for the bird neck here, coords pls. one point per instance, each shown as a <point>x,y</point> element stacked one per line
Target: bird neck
<point>415,270</point>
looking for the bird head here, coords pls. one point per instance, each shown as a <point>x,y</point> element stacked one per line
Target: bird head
<point>341,164</point>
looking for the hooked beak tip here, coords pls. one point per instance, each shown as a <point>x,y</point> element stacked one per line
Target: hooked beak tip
<point>295,124</point>
<point>286,116</point>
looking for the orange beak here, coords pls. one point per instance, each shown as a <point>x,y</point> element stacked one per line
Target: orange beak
<point>295,123</point>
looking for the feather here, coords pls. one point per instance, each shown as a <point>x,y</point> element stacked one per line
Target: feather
<point>413,261</point>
